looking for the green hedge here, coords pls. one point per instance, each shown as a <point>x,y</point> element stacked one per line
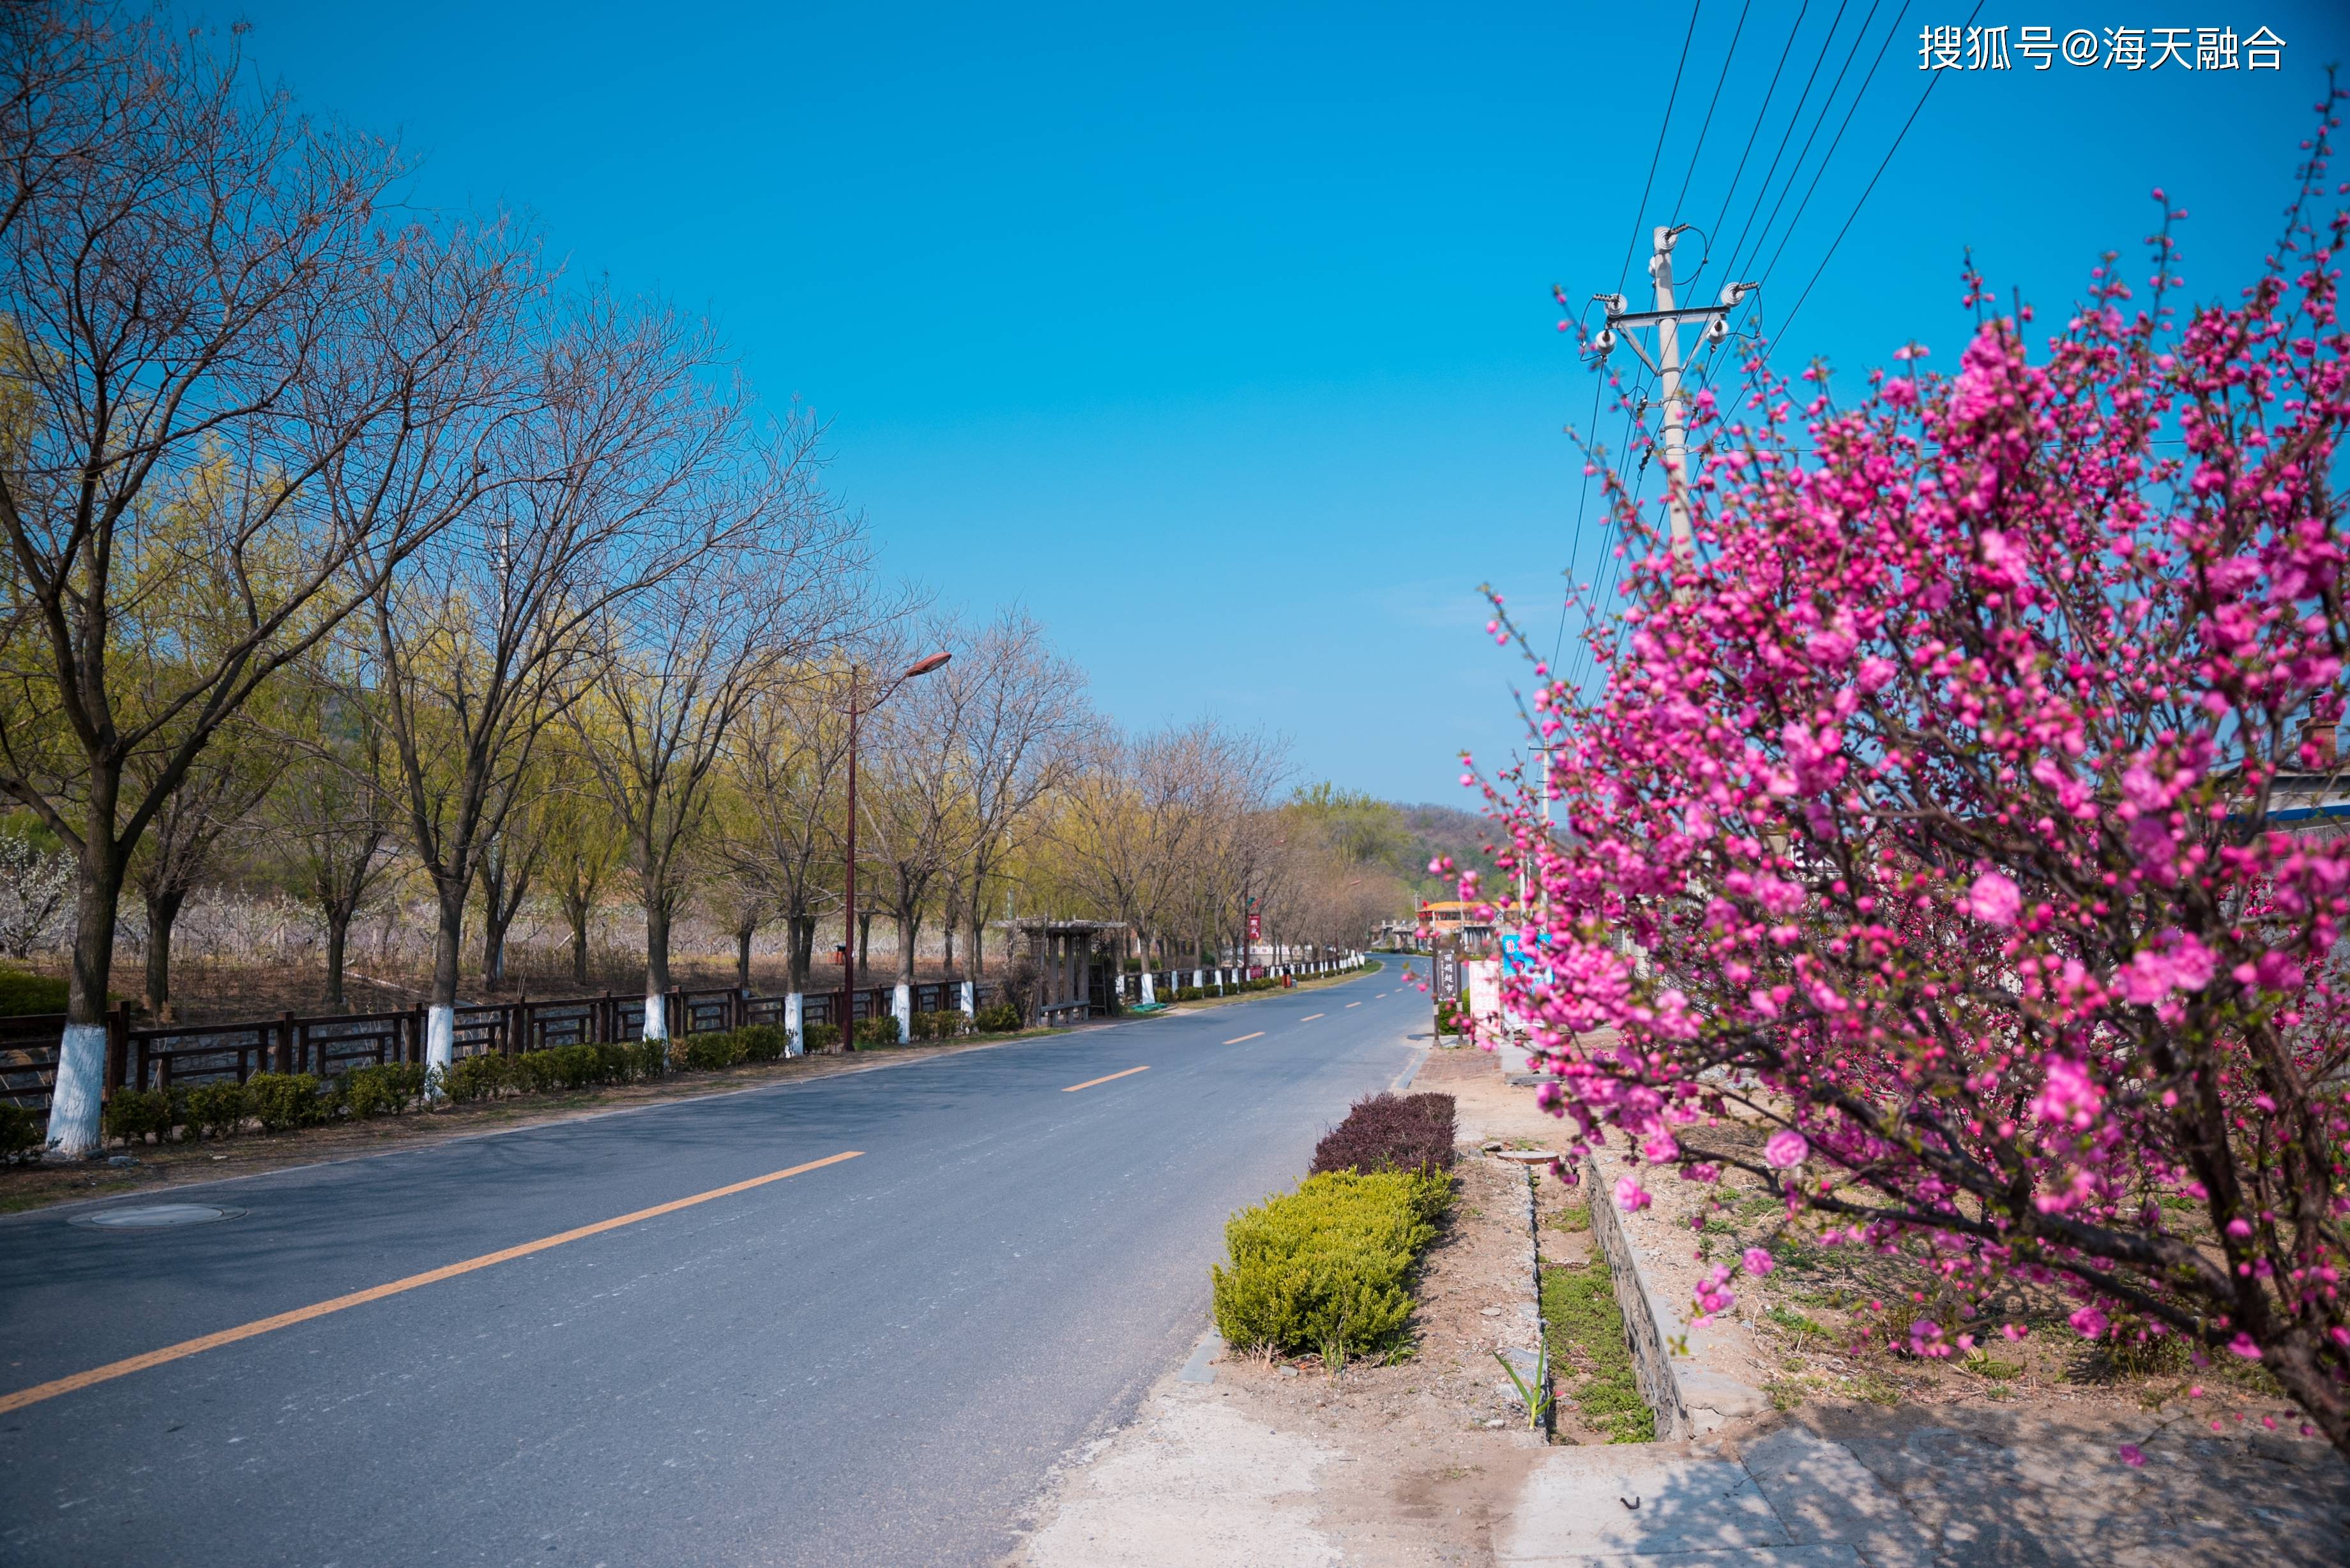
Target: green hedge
<point>946,1024</point>
<point>819,1037</point>
<point>281,1101</point>
<point>879,1029</point>
<point>997,1018</point>
<point>20,1133</point>
<point>1328,1268</point>
<point>22,994</point>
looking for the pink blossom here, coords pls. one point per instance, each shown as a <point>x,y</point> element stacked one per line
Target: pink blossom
<point>2132,1456</point>
<point>1993,899</point>
<point>2069,1097</point>
<point>1758,1262</point>
<point>2089,1322</point>
<point>1786,1149</point>
<point>1630,1197</point>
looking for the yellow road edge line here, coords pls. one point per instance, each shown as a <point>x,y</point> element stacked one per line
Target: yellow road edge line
<point>1089,1083</point>
<point>1243,1039</point>
<point>187,1348</point>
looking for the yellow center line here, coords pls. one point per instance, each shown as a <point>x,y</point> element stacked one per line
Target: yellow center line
<point>1089,1083</point>
<point>187,1348</point>
<point>1258,1035</point>
<point>1312,1016</point>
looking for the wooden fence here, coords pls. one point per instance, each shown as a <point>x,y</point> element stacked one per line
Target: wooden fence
<point>160,1056</point>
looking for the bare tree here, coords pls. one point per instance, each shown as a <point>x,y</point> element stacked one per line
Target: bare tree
<point>780,831</point>
<point>1023,709</point>
<point>676,669</point>
<point>36,887</point>
<point>914,790</point>
<point>583,846</point>
<point>213,801</point>
<point>200,290</point>
<point>333,811</point>
<point>483,641</point>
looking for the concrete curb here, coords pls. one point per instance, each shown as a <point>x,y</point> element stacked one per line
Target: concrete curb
<point>1689,1400</point>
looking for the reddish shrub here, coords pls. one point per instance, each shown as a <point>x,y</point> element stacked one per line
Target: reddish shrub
<point>1412,1133</point>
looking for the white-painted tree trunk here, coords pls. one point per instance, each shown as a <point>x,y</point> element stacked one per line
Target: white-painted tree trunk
<point>901,1003</point>
<point>794,1027</point>
<point>1147,998</point>
<point>656,1018</point>
<point>439,1045</point>
<point>81,1079</point>
<point>970,1009</point>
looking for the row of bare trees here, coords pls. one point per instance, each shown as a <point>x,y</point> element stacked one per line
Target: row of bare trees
<point>353,547</point>
<point>271,442</point>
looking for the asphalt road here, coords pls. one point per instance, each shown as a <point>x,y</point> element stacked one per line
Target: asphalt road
<point>877,1361</point>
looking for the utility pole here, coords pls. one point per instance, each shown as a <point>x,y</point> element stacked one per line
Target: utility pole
<point>1713,323</point>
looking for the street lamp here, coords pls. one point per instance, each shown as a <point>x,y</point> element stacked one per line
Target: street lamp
<point>848,900</point>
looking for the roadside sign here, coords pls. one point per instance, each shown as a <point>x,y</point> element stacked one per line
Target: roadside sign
<point>1448,974</point>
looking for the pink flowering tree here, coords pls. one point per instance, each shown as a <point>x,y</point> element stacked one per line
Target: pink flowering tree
<point>1943,812</point>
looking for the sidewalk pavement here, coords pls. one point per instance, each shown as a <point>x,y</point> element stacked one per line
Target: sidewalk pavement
<point>1971,1489</point>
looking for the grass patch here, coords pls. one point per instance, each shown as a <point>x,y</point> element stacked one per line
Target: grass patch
<point>1585,1330</point>
<point>1876,1388</point>
<point>1575,1217</point>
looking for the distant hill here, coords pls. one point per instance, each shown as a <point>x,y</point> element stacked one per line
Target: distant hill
<point>1442,830</point>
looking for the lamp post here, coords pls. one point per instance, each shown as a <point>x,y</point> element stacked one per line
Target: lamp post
<point>848,894</point>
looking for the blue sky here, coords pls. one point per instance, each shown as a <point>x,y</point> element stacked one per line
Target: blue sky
<point>1220,338</point>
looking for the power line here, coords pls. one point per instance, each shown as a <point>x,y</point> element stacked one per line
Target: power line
<point>1626,271</point>
<point>1760,116</point>
<point>1804,98</point>
<point>1796,221</point>
<point>1699,151</point>
<point>1934,82</point>
<point>1574,550</point>
<point>1827,103</point>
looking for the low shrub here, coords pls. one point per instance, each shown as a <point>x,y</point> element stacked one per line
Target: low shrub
<point>216,1110</point>
<point>648,1059</point>
<point>946,1024</point>
<point>710,1052</point>
<point>382,1091</point>
<point>819,1037</point>
<point>881,1030</point>
<point>998,1018</point>
<point>763,1042</point>
<point>22,994</point>
<point>1410,1133</point>
<point>136,1115</point>
<point>482,1077</point>
<point>1328,1268</point>
<point>283,1101</point>
<point>20,1133</point>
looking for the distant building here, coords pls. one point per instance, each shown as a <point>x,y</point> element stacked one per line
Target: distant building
<point>1454,918</point>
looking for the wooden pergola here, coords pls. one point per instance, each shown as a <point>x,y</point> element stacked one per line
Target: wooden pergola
<point>1069,956</point>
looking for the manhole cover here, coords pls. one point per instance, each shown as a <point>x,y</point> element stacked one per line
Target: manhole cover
<point>158,1216</point>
